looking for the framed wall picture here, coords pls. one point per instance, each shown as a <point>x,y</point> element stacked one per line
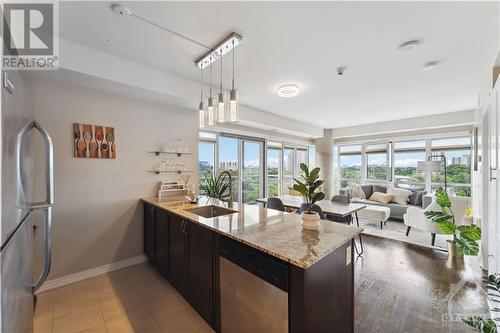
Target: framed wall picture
<point>94,141</point>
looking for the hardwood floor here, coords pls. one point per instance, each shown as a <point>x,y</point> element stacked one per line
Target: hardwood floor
<point>406,288</point>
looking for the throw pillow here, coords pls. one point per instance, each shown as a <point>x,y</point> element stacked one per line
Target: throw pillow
<point>416,198</point>
<point>368,190</point>
<point>355,191</point>
<point>379,188</point>
<point>399,195</point>
<point>381,197</point>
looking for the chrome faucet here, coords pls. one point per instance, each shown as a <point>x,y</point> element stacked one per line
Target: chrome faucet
<point>230,199</point>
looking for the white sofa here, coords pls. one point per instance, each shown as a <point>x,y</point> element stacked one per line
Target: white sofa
<point>415,217</point>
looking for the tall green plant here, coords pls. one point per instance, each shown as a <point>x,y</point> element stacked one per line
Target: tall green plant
<point>465,237</point>
<point>308,186</point>
<point>216,187</point>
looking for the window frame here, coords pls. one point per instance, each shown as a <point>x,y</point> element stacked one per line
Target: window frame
<point>391,152</point>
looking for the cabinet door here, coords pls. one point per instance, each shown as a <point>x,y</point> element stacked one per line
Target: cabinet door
<point>200,270</point>
<point>149,231</point>
<point>177,273</point>
<point>161,241</point>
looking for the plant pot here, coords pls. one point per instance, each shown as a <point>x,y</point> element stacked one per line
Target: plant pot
<point>453,250</point>
<point>310,221</point>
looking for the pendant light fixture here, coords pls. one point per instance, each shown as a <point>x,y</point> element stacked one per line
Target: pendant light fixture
<point>221,110</point>
<point>217,110</point>
<point>211,104</point>
<point>233,98</point>
<point>201,106</point>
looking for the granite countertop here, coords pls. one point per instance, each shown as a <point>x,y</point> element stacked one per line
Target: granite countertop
<point>277,233</point>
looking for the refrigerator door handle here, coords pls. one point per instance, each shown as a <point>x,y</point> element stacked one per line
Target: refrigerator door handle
<point>47,248</point>
<point>49,168</point>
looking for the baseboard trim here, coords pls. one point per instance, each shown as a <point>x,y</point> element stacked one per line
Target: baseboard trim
<point>71,278</point>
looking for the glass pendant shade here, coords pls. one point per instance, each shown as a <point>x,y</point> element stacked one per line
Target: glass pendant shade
<point>221,109</point>
<point>210,111</point>
<point>233,105</point>
<point>201,112</point>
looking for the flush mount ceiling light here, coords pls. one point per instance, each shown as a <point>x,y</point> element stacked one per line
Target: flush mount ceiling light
<point>409,45</point>
<point>288,90</point>
<point>430,65</point>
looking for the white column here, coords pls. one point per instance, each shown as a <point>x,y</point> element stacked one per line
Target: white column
<point>324,159</point>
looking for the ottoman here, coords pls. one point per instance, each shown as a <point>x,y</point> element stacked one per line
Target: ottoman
<point>375,213</point>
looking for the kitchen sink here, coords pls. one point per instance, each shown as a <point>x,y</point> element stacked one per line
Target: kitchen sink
<point>211,211</point>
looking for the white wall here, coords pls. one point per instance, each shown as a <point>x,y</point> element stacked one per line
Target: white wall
<point>97,214</point>
<point>404,127</point>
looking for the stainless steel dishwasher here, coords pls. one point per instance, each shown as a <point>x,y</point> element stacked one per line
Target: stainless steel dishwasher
<point>253,290</point>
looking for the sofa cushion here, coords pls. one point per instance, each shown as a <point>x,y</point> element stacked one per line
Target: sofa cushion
<point>381,197</point>
<point>397,210</point>
<point>368,189</point>
<point>379,188</point>
<point>399,195</point>
<point>416,198</point>
<point>356,191</point>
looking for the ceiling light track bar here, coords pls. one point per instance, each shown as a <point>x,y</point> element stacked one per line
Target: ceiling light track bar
<point>227,44</point>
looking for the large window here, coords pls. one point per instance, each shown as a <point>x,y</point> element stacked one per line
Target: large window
<point>376,161</point>
<point>252,171</point>
<point>273,171</point>
<point>229,161</point>
<point>312,157</point>
<point>255,173</point>
<point>406,156</point>
<point>458,161</point>
<point>288,168</point>
<point>206,159</point>
<point>395,162</point>
<point>301,158</point>
<point>350,164</point>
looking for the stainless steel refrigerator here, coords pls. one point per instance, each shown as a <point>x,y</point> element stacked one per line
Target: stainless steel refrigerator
<point>19,205</point>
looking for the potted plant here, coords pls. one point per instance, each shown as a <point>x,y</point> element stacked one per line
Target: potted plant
<point>217,187</point>
<point>465,237</point>
<point>308,188</point>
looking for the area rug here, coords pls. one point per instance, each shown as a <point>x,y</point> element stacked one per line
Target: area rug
<point>395,229</point>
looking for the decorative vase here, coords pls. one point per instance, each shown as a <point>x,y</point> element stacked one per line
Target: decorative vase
<point>453,250</point>
<point>310,221</point>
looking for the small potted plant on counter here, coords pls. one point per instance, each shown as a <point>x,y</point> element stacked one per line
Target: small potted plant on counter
<point>217,187</point>
<point>308,187</point>
<point>465,237</point>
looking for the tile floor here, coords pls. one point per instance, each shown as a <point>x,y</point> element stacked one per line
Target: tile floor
<point>133,299</point>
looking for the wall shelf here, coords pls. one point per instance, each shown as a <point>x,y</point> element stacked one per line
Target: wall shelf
<point>159,152</point>
<point>169,171</point>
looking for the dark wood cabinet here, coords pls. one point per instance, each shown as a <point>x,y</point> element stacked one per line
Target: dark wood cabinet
<point>161,241</point>
<point>149,231</point>
<point>320,298</point>
<point>201,270</point>
<point>177,247</point>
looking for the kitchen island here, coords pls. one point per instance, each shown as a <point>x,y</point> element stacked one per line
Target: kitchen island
<point>308,276</point>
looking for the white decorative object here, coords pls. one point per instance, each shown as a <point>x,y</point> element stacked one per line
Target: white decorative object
<point>310,221</point>
<point>415,217</point>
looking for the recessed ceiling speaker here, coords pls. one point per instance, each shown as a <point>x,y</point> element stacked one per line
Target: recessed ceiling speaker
<point>121,10</point>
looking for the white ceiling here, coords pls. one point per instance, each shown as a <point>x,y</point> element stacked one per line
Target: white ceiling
<point>303,43</point>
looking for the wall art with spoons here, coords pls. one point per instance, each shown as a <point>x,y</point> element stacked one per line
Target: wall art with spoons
<point>92,141</point>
